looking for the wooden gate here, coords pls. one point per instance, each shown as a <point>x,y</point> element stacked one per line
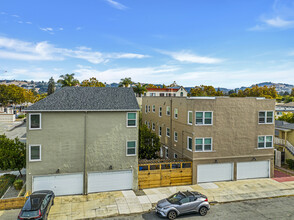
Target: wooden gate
<point>168,173</point>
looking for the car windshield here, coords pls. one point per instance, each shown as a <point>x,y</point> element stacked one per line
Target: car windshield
<point>25,214</point>
<point>175,198</point>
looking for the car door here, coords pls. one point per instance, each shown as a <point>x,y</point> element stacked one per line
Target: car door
<point>184,205</point>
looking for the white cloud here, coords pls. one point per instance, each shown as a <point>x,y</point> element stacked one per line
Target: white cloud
<point>116,5</point>
<point>28,22</point>
<point>16,16</point>
<point>47,29</point>
<point>188,57</point>
<point>278,22</point>
<point>78,28</point>
<point>22,50</point>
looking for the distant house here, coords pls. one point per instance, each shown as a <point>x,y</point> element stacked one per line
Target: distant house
<point>180,92</point>
<point>284,108</point>
<point>82,140</point>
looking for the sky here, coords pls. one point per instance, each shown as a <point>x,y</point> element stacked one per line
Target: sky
<point>224,43</point>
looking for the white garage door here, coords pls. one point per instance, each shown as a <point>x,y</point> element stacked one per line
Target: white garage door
<point>110,181</point>
<point>65,184</point>
<point>215,172</point>
<point>255,169</point>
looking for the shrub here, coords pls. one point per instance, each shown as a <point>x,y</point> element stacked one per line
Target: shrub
<point>21,116</point>
<point>290,162</point>
<point>5,181</point>
<point>18,184</point>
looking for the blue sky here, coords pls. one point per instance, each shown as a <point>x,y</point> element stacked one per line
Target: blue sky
<point>224,43</point>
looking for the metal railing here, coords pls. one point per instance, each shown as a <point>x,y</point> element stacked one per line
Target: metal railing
<point>285,143</point>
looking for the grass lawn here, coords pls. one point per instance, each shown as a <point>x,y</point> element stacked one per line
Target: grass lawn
<point>6,181</point>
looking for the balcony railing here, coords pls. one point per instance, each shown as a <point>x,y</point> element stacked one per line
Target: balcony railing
<point>285,143</point>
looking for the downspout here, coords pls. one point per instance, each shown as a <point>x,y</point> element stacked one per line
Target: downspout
<point>85,188</point>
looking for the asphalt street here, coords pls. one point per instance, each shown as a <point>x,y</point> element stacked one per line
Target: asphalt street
<point>276,208</point>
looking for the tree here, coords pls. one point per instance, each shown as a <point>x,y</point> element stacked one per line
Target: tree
<point>51,86</point>
<point>11,94</point>
<point>140,89</point>
<point>149,143</point>
<point>288,117</point>
<point>68,80</point>
<point>256,91</point>
<point>126,82</point>
<point>92,82</point>
<point>292,92</point>
<point>12,154</point>
<point>151,86</point>
<point>205,91</point>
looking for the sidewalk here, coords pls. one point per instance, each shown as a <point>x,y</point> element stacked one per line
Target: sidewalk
<point>126,202</point>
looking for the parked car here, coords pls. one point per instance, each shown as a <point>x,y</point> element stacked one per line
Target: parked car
<point>182,203</point>
<point>37,206</point>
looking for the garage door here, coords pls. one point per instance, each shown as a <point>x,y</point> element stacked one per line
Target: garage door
<point>67,184</point>
<point>110,181</point>
<point>215,172</point>
<point>254,169</point>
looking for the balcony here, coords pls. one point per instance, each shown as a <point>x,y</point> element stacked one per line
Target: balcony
<point>285,143</point>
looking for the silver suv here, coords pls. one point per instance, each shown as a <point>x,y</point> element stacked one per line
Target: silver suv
<point>181,203</point>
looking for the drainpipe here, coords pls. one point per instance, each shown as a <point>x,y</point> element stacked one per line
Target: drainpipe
<point>85,188</point>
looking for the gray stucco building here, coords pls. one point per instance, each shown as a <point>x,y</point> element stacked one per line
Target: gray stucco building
<point>82,140</point>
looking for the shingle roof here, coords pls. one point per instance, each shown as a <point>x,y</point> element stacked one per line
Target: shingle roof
<point>284,125</point>
<point>88,99</point>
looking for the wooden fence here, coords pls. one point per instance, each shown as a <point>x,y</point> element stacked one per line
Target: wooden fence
<point>152,175</point>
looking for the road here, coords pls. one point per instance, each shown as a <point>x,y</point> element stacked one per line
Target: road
<point>261,209</point>
<point>277,208</point>
<point>19,132</point>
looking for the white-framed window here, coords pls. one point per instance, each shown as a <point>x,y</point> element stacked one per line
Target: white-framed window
<point>153,108</point>
<point>152,94</point>
<point>176,136</point>
<point>203,144</point>
<point>176,113</point>
<point>175,156</point>
<point>131,148</point>
<point>153,126</point>
<point>166,152</point>
<point>131,119</point>
<point>189,143</point>
<point>146,108</point>
<point>265,141</point>
<point>148,124</point>
<point>203,118</point>
<point>35,121</point>
<point>149,108</point>
<point>265,117</point>
<point>279,113</point>
<point>168,110</point>
<point>34,152</point>
<point>159,131</point>
<point>160,111</point>
<point>167,132</point>
<point>190,117</point>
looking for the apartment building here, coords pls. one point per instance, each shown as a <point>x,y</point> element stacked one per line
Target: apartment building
<point>226,138</point>
<point>181,91</point>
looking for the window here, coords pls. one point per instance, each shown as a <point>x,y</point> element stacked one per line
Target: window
<point>167,132</point>
<point>160,111</point>
<point>35,152</point>
<point>146,108</point>
<point>182,94</point>
<point>159,133</point>
<point>152,94</point>
<point>189,143</point>
<point>161,153</point>
<point>265,141</point>
<point>35,121</point>
<point>203,118</point>
<point>161,94</point>
<point>176,113</point>
<point>203,144</point>
<point>153,108</point>
<point>166,152</point>
<point>176,136</point>
<point>175,156</point>
<point>132,119</point>
<point>279,113</point>
<point>148,124</point>
<point>153,126</point>
<point>131,148</point>
<point>265,117</point>
<point>149,108</point>
<point>190,115</point>
<point>168,110</point>
<point>145,122</point>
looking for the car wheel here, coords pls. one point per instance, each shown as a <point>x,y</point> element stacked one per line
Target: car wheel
<point>172,215</point>
<point>203,210</point>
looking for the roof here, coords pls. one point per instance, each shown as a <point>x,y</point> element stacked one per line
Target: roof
<point>162,89</point>
<point>88,99</point>
<point>283,125</point>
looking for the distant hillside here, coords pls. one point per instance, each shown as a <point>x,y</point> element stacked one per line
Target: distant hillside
<point>280,87</point>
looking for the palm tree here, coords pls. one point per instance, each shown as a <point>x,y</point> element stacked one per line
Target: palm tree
<point>140,89</point>
<point>126,82</point>
<point>68,80</point>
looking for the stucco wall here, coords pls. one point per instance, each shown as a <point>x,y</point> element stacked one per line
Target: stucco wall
<point>234,132</point>
<point>62,140</point>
